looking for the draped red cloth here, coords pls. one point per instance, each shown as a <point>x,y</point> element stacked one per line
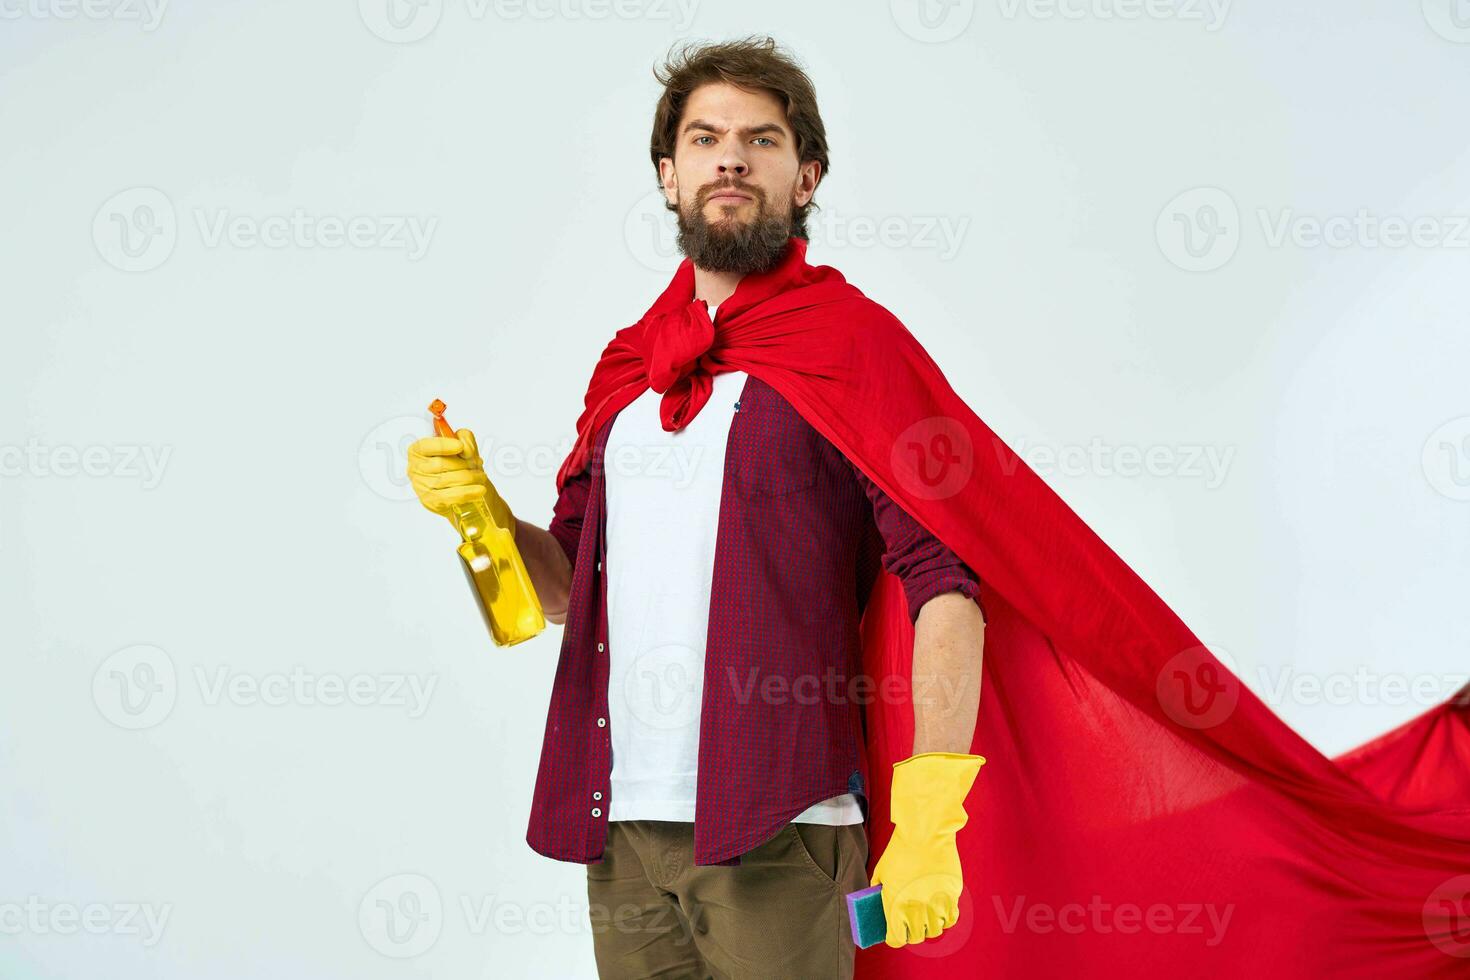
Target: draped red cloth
<point>1142,813</point>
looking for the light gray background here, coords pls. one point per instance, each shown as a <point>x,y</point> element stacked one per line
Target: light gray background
<point>1032,169</point>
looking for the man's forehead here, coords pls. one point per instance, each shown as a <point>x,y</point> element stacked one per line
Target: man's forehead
<point>725,105</point>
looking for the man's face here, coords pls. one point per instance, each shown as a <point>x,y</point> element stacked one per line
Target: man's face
<point>735,179</point>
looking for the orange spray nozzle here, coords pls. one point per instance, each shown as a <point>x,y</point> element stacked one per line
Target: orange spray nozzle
<point>441,427</point>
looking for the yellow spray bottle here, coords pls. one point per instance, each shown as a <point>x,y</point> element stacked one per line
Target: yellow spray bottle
<point>493,565</point>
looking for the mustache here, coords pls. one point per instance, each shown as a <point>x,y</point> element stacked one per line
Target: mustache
<point>711,190</point>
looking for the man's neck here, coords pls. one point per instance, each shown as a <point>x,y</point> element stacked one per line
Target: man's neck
<point>715,287</point>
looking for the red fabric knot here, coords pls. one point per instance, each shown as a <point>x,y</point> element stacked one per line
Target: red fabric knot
<point>677,341</point>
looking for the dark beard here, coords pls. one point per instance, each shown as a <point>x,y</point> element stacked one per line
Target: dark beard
<point>726,246</point>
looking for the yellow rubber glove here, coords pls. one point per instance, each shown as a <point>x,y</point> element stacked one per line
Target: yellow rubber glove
<point>445,472</point>
<point>920,869</point>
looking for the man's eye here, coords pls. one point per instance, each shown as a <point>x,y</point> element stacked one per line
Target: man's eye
<point>767,139</point>
<point>698,138</point>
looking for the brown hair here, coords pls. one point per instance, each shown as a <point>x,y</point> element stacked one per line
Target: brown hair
<point>752,63</point>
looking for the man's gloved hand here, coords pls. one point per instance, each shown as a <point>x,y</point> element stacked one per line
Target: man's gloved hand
<point>445,472</point>
<point>920,869</point>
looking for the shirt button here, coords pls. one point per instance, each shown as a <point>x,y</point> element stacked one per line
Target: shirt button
<point>600,648</point>
<point>597,796</point>
<point>597,811</point>
<point>602,723</point>
<point>599,566</point>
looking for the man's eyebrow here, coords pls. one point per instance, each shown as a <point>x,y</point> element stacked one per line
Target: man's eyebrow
<point>747,131</point>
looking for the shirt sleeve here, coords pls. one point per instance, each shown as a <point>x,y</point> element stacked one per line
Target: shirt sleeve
<point>571,507</point>
<point>924,564</point>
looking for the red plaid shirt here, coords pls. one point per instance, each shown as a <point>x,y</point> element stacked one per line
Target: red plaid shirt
<point>801,534</point>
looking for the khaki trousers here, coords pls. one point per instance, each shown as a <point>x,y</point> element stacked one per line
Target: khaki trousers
<point>780,915</point>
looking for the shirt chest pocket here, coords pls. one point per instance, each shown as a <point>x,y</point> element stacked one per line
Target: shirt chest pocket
<point>777,449</point>
<point>774,481</point>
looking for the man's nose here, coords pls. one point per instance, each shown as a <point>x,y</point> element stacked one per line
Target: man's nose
<point>732,162</point>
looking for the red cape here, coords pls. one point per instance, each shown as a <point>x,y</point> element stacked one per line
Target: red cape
<point>1142,813</point>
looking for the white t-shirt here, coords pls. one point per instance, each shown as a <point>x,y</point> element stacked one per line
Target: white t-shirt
<point>663,510</point>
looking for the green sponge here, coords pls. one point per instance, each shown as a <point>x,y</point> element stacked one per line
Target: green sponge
<point>865,915</point>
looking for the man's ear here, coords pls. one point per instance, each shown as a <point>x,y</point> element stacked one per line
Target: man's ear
<point>807,178</point>
<point>669,179</point>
